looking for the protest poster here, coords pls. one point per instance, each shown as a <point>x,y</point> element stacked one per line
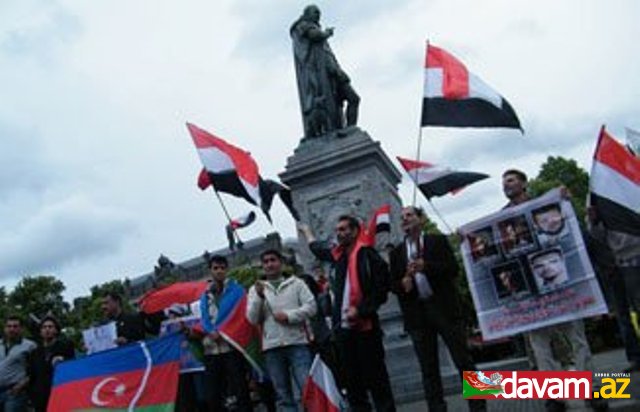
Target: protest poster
<point>99,338</point>
<point>189,351</point>
<point>528,268</point>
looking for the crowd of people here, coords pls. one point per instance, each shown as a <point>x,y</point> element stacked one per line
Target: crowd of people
<point>336,317</point>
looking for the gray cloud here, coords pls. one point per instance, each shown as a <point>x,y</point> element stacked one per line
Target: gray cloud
<point>266,28</point>
<point>50,26</point>
<point>60,234</point>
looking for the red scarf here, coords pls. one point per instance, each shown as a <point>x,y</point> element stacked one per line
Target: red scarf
<point>355,291</point>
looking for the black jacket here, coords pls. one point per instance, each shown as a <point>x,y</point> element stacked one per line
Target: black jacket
<point>441,270</point>
<point>41,370</point>
<point>374,281</point>
<point>130,326</point>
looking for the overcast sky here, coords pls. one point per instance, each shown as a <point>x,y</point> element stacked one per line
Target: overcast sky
<point>97,170</point>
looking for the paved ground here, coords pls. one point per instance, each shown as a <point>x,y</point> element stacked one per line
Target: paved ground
<point>613,361</point>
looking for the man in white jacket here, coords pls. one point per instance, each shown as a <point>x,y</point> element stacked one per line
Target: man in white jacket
<point>282,306</point>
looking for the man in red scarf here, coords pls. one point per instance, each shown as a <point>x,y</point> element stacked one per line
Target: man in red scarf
<point>360,286</point>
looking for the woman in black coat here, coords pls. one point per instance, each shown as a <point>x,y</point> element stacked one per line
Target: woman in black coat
<point>51,350</point>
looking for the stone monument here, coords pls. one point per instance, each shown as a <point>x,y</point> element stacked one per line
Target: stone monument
<point>339,169</point>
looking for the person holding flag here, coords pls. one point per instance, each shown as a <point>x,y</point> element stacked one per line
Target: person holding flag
<point>361,286</point>
<point>613,219</point>
<point>282,306</point>
<point>224,365</point>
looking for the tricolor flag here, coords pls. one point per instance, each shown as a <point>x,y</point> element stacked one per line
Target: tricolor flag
<point>238,223</point>
<point>139,376</point>
<point>320,393</point>
<point>455,97</point>
<point>380,221</point>
<point>433,180</point>
<point>615,185</point>
<point>232,323</point>
<point>230,169</point>
<point>633,141</point>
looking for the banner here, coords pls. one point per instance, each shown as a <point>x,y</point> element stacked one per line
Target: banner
<point>527,268</point>
<point>189,351</point>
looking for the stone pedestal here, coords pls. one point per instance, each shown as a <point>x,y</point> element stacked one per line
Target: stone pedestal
<point>330,176</point>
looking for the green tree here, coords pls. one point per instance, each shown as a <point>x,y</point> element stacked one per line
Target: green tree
<point>38,296</point>
<point>560,171</point>
<point>3,303</point>
<point>245,275</point>
<point>87,310</point>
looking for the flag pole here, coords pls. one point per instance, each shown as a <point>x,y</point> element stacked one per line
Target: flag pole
<point>439,215</point>
<point>415,174</point>
<point>235,232</point>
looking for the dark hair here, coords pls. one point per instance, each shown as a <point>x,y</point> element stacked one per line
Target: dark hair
<point>219,259</point>
<point>552,251</point>
<point>353,222</point>
<point>14,318</point>
<point>417,210</point>
<point>546,208</point>
<point>273,252</point>
<point>521,175</point>
<point>50,318</point>
<point>114,296</point>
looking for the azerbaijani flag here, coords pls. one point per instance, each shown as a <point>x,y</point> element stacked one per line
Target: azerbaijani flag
<point>142,376</point>
<point>232,323</point>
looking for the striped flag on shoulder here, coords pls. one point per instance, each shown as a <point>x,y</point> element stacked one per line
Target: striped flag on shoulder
<point>615,185</point>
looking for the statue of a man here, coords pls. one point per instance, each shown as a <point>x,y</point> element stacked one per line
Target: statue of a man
<point>323,86</point>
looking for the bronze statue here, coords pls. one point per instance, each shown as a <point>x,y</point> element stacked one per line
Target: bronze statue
<point>323,87</point>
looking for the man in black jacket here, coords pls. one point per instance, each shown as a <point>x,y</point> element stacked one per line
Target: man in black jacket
<point>129,326</point>
<point>423,269</point>
<point>360,286</point>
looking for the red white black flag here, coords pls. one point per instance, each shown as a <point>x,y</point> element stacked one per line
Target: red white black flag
<point>433,180</point>
<point>615,185</point>
<point>238,223</point>
<point>455,97</point>
<point>232,170</point>
<point>380,221</point>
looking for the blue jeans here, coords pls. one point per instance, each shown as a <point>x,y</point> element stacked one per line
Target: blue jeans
<point>283,365</point>
<point>13,403</point>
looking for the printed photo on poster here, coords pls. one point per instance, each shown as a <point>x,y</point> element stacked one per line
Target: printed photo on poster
<point>549,269</point>
<point>509,280</point>
<point>515,235</point>
<point>482,243</point>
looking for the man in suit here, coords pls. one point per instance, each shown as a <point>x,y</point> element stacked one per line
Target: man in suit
<point>423,270</point>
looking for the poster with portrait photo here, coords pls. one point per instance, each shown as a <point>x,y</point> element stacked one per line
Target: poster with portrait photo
<point>509,280</point>
<point>482,243</point>
<point>530,283</point>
